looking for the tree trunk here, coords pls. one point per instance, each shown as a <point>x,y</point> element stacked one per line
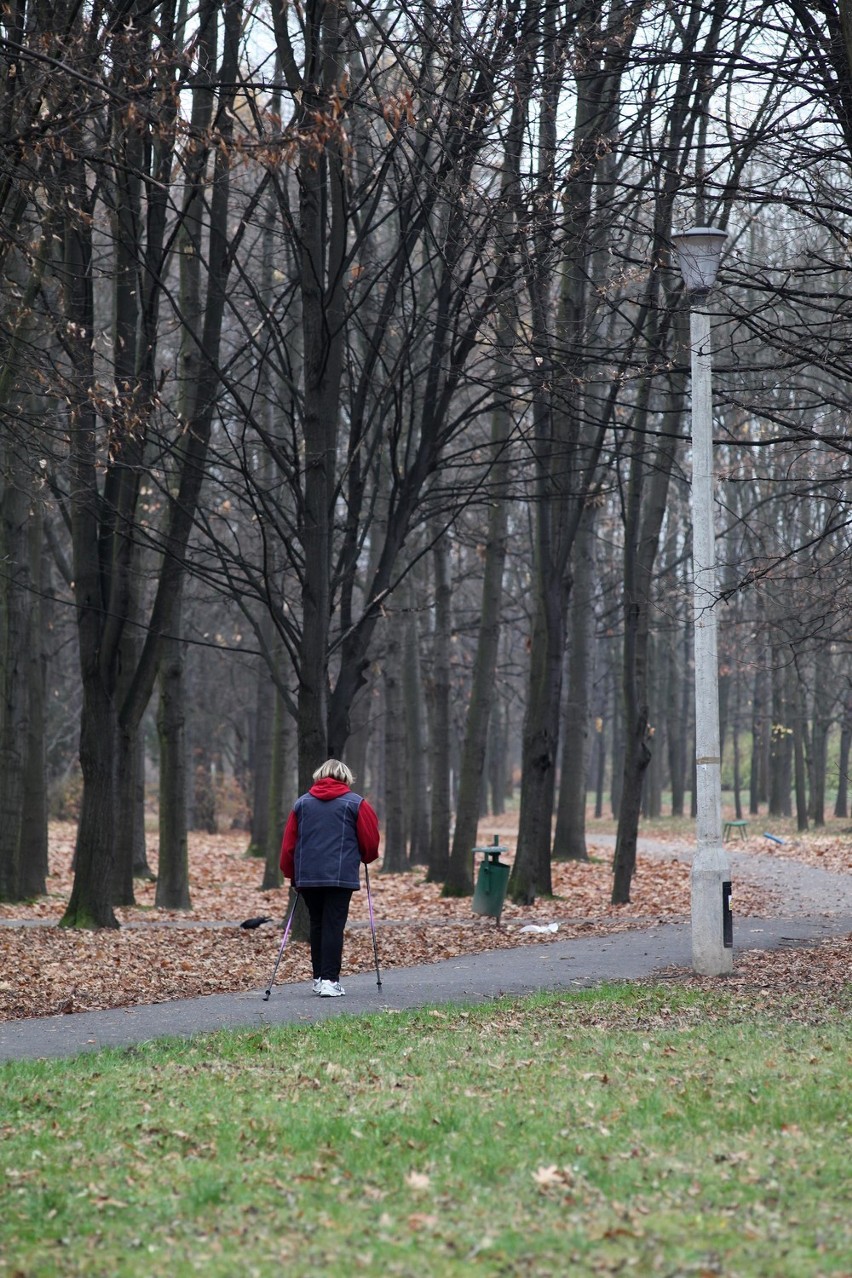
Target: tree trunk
<point>323,238</point>
<point>758,729</point>
<point>173,872</point>
<point>279,786</point>
<point>675,727</point>
<point>600,760</point>
<point>396,852</point>
<point>531,872</point>
<point>841,803</point>
<point>823,681</point>
<point>497,756</point>
<point>570,839</point>
<point>14,668</point>
<point>130,853</point>
<point>416,752</point>
<point>617,747</point>
<point>439,683</point>
<point>33,844</point>
<point>782,742</point>
<point>262,752</point>
<point>653,793</point>
<point>735,726</point>
<point>800,774</point>
<point>129,816</point>
<point>90,903</point>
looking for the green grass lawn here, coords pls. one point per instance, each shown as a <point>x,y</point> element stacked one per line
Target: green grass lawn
<point>627,1130</point>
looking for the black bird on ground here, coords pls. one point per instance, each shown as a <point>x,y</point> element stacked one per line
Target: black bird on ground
<point>256,922</point>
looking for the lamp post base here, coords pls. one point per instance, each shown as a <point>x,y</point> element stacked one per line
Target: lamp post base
<point>712,947</point>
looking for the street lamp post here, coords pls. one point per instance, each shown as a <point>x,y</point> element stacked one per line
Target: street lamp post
<point>698,252</point>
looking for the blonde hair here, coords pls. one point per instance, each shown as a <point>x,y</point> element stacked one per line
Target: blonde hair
<point>336,770</point>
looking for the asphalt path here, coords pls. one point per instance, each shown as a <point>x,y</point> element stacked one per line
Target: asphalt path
<point>820,905</point>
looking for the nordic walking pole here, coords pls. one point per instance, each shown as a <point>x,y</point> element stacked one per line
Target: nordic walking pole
<point>373,928</point>
<point>281,950</point>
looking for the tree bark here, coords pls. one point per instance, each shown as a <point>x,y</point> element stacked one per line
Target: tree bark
<point>781,758</point>
<point>841,802</point>
<point>34,841</point>
<point>173,871</point>
<point>569,842</point>
<point>676,727</point>
<point>439,698</point>
<point>14,672</point>
<point>416,752</point>
<point>822,710</point>
<point>262,752</point>
<point>396,852</point>
<point>799,748</point>
<point>279,786</point>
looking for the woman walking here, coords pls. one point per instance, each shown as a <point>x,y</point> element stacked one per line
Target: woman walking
<point>330,831</point>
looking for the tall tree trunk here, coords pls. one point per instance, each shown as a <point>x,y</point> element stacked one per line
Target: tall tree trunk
<point>800,772</point>
<point>280,785</point>
<point>497,756</point>
<point>600,760</point>
<point>782,740</point>
<point>617,748</point>
<point>570,838</point>
<point>34,843</point>
<point>90,903</point>
<point>416,753</point>
<point>439,698</point>
<point>173,871</point>
<point>130,795</point>
<point>14,671</point>
<point>653,793</point>
<point>823,681</point>
<point>323,237</point>
<point>841,803</point>
<point>264,714</point>
<point>758,731</point>
<point>396,852</point>
<point>738,798</point>
<point>676,727</point>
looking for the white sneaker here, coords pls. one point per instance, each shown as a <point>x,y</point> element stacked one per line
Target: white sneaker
<point>317,985</point>
<point>331,989</point>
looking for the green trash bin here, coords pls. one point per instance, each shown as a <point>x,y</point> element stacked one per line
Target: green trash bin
<point>491,882</point>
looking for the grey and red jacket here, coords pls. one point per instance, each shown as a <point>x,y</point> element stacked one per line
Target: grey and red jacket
<point>330,831</point>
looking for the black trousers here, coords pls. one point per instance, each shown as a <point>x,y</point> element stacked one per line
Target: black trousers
<point>328,908</point>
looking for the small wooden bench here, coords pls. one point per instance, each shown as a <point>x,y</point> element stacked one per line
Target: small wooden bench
<point>730,826</point>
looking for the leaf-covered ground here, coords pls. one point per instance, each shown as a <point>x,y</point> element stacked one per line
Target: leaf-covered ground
<point>159,955</point>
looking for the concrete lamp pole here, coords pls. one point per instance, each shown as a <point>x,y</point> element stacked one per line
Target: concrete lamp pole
<point>698,253</point>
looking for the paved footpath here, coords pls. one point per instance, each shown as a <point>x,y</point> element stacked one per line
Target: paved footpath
<point>820,905</point>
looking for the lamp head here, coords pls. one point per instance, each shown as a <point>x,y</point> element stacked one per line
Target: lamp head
<point>698,252</point>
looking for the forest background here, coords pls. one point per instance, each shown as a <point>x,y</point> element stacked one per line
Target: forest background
<point>345,410</point>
